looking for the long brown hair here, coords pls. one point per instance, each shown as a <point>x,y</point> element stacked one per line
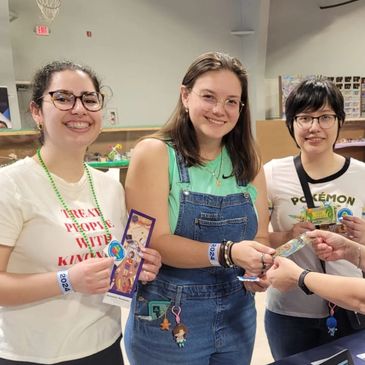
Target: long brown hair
<point>240,144</point>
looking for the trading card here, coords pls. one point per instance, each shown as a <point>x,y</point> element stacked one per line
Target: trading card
<point>292,246</point>
<point>321,215</point>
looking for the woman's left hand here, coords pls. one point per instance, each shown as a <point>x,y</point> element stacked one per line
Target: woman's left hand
<point>151,264</point>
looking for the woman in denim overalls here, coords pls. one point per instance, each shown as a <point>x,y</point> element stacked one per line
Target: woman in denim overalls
<point>195,177</point>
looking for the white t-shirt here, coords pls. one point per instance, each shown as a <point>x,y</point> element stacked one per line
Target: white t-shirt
<point>45,239</point>
<point>345,190</point>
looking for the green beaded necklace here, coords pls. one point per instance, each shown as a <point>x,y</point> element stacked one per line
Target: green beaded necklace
<point>67,209</point>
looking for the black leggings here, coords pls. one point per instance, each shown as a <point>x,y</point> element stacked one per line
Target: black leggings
<point>110,356</point>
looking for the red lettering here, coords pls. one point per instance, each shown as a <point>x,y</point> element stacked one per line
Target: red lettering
<point>94,212</point>
<point>65,213</point>
<point>81,242</point>
<point>74,259</point>
<point>75,212</point>
<point>71,227</point>
<point>100,240</point>
<point>85,227</point>
<point>109,223</point>
<point>79,258</point>
<point>62,261</point>
<point>93,226</point>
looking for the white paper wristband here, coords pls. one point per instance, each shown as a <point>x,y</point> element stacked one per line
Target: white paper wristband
<point>213,254</point>
<point>64,282</point>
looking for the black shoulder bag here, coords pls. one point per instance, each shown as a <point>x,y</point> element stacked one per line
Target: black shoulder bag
<point>356,320</point>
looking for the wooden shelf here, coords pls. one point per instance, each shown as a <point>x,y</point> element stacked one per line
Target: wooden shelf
<point>350,144</point>
<point>18,133</point>
<point>130,129</point>
<point>23,132</point>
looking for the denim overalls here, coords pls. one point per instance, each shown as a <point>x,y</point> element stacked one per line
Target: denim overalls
<point>219,314</point>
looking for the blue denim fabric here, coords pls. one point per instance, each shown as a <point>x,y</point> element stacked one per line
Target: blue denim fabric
<point>288,335</point>
<point>219,314</point>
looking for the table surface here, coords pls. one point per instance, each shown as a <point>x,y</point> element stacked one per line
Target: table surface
<point>355,343</point>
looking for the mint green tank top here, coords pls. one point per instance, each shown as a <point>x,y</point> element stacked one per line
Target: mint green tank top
<point>202,180</point>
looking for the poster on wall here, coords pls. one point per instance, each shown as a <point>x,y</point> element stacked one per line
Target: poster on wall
<point>286,84</point>
<point>351,87</point>
<point>351,91</point>
<point>5,119</point>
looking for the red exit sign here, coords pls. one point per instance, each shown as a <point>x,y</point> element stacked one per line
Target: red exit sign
<point>42,30</point>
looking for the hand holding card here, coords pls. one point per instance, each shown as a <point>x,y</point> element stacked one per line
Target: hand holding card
<point>284,250</point>
<point>128,261</point>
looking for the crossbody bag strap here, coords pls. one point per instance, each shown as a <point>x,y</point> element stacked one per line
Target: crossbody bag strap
<point>306,190</point>
<point>303,182</point>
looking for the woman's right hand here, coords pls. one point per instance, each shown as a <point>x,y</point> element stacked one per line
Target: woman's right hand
<point>330,246</point>
<point>252,256</point>
<point>91,276</point>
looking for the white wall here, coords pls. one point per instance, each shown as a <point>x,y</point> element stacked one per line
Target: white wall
<point>255,16</point>
<point>140,48</point>
<point>7,70</point>
<point>304,39</point>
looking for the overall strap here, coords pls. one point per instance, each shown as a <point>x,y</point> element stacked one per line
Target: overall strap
<point>183,169</point>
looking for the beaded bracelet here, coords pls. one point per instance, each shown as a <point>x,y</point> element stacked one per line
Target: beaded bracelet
<point>213,254</point>
<point>225,254</point>
<point>230,254</point>
<point>221,259</point>
<point>64,282</point>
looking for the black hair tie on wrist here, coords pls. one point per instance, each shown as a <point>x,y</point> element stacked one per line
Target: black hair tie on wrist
<point>301,283</point>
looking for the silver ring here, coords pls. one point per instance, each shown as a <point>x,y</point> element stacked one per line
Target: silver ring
<point>262,261</point>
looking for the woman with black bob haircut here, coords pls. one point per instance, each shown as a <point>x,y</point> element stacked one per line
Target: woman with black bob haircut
<point>311,95</point>
<point>200,176</point>
<point>295,321</point>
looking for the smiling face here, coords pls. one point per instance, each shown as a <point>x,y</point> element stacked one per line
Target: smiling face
<point>213,120</point>
<point>73,129</point>
<point>316,140</point>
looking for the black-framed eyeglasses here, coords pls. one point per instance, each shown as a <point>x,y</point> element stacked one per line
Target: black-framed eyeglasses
<point>210,102</point>
<point>325,121</point>
<point>65,100</point>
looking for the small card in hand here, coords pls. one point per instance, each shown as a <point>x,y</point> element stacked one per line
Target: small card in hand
<point>248,278</point>
<point>292,246</point>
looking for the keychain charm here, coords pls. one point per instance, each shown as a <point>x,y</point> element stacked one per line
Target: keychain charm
<point>331,321</point>
<point>165,324</point>
<point>180,331</point>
